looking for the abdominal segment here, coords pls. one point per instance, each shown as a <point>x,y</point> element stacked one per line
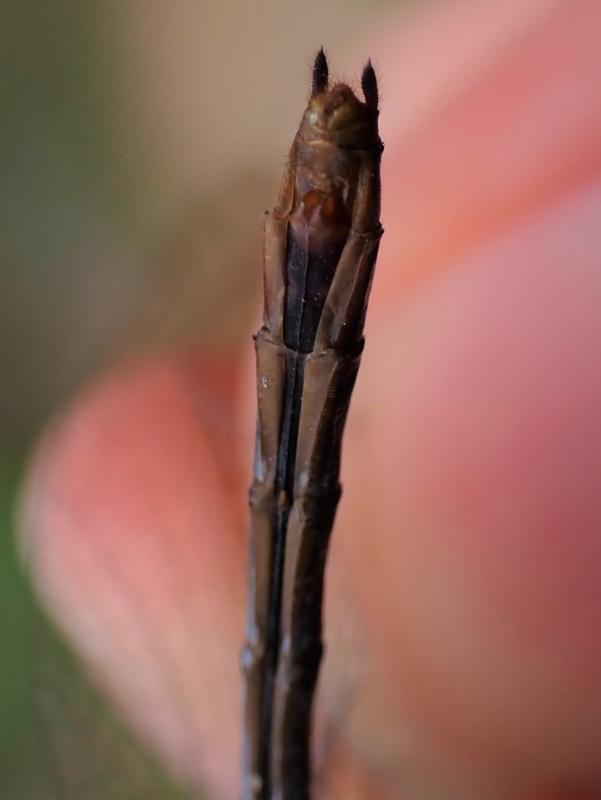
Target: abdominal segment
<point>317,233</point>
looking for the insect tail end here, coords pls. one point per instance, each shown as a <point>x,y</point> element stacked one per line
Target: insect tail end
<point>320,73</point>
<point>369,85</point>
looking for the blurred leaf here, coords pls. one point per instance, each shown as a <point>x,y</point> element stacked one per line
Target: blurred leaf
<point>23,775</point>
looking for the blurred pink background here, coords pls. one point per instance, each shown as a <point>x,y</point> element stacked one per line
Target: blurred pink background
<point>464,654</point>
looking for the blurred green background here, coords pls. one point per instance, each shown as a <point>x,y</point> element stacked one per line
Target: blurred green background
<point>140,143</point>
